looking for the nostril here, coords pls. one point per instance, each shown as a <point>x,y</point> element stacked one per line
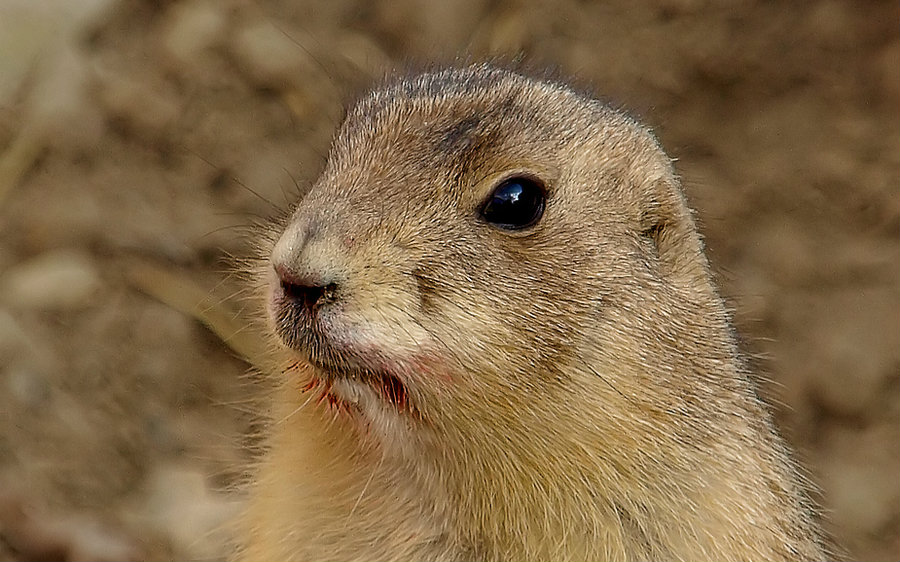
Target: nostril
<point>309,295</point>
<point>307,291</point>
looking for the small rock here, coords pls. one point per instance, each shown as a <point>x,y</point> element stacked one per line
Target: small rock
<point>140,107</point>
<point>858,498</point>
<point>30,29</point>
<point>192,29</point>
<point>39,534</point>
<point>181,505</point>
<point>26,363</point>
<point>509,33</point>
<point>55,280</point>
<point>60,109</point>
<point>270,58</point>
<point>860,477</point>
<point>855,351</point>
<point>12,337</point>
<point>364,54</point>
<point>850,388</point>
<point>27,387</point>
<point>784,250</point>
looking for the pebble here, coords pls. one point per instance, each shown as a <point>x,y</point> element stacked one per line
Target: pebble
<point>60,109</point>
<point>364,54</point>
<point>26,363</point>
<point>860,477</point>
<point>193,29</point>
<point>56,280</point>
<point>32,28</point>
<point>141,106</point>
<point>27,387</point>
<point>12,336</point>
<point>269,57</point>
<point>180,504</point>
<point>855,355</point>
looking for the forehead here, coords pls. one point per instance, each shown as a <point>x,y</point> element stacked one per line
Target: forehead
<point>459,122</point>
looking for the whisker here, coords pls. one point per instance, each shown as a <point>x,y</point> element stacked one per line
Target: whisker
<point>233,178</point>
<point>594,372</point>
<point>365,488</point>
<point>309,398</point>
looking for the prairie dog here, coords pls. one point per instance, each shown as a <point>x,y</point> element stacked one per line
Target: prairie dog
<point>503,343</point>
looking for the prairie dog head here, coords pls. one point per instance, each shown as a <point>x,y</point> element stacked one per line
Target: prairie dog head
<point>498,262</point>
<point>497,312</point>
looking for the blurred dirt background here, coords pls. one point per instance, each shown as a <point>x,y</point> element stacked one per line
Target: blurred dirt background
<point>154,130</point>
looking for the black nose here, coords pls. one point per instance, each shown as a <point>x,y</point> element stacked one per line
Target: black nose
<point>306,291</point>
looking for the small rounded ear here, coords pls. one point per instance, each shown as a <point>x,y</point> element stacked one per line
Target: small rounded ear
<point>667,223</point>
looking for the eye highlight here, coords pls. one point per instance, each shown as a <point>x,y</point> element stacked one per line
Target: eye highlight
<point>516,203</point>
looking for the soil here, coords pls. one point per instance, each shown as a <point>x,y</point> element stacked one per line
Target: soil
<point>158,130</point>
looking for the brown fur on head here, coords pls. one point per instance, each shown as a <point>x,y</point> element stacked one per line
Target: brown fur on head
<point>569,390</point>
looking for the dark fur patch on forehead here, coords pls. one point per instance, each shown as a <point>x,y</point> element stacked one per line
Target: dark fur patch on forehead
<point>470,142</point>
<point>401,93</point>
<point>459,135</point>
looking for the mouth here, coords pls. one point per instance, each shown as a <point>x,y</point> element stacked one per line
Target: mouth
<point>346,393</point>
<point>346,375</point>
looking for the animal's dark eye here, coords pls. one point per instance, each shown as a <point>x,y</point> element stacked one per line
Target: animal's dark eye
<point>516,203</point>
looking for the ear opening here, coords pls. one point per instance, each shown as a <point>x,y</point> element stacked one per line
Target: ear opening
<point>668,227</point>
<point>654,224</point>
<point>654,232</point>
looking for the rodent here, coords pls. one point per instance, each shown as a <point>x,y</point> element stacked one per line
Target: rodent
<point>503,342</point>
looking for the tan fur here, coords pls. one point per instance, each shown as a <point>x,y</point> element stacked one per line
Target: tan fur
<point>576,392</point>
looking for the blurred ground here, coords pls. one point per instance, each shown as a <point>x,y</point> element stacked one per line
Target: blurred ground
<point>145,128</point>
